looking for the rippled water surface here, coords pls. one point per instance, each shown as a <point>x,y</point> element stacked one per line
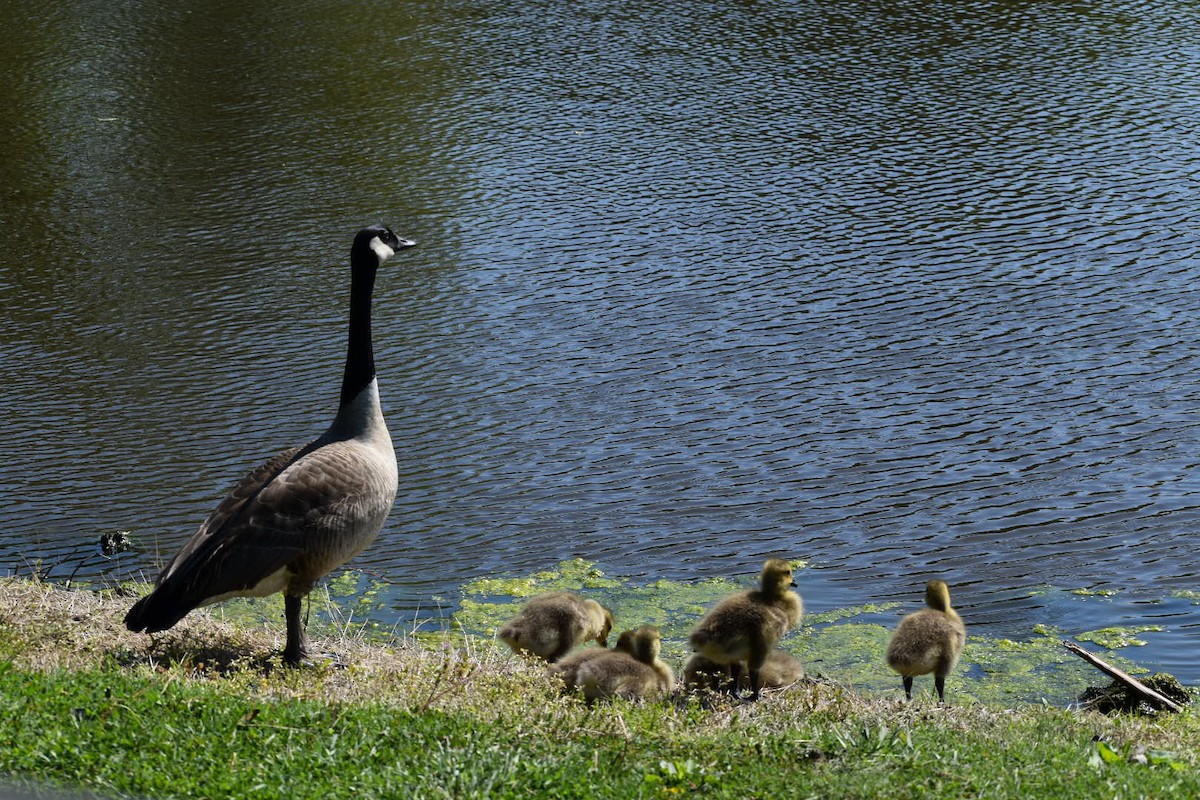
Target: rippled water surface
<point>902,290</point>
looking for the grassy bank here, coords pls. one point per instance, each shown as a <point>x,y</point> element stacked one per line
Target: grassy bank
<point>204,711</point>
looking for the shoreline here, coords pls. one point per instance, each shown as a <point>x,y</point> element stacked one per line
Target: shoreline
<point>459,716</point>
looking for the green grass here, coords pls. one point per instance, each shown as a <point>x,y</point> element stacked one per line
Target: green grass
<point>165,736</point>
<point>206,711</point>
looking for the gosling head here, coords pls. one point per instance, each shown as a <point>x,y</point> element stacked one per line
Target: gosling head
<point>375,244</point>
<point>625,643</point>
<point>777,577</point>
<point>605,628</point>
<point>937,595</point>
<point>647,643</point>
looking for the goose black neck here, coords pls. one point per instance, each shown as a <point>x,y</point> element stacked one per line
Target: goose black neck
<point>360,355</point>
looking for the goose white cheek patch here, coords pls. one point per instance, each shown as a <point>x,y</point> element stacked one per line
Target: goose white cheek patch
<point>382,251</point>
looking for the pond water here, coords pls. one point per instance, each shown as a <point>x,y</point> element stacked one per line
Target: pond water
<point>901,291</point>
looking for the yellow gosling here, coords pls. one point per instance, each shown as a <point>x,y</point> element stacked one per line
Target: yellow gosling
<point>641,675</point>
<point>551,624</point>
<point>744,628</point>
<point>780,671</point>
<point>567,669</point>
<point>930,640</point>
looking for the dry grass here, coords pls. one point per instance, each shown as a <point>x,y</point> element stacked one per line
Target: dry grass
<point>46,628</point>
<point>53,629</point>
<point>455,709</point>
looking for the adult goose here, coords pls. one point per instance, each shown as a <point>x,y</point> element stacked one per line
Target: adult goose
<point>305,511</point>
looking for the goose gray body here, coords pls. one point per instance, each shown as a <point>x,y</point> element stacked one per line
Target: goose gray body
<point>305,511</point>
<point>567,668</point>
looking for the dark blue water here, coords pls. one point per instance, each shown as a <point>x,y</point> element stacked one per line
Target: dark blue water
<point>901,291</point>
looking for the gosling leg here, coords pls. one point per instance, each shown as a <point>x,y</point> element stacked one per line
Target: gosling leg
<point>908,687</point>
<point>758,657</point>
<point>735,678</point>
<point>755,684</point>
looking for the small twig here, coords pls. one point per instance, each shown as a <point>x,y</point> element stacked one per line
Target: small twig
<point>451,684</point>
<point>624,727</point>
<point>85,560</point>
<point>1123,677</point>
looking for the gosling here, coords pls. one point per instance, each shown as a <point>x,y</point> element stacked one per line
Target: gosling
<point>551,624</point>
<point>700,675</point>
<point>568,668</point>
<point>746,627</point>
<point>639,675</point>
<point>930,640</point>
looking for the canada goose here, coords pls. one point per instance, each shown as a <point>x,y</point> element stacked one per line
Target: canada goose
<point>567,669</point>
<point>929,640</point>
<point>637,675</point>
<point>308,509</point>
<point>744,628</point>
<point>780,670</point>
<point>549,625</point>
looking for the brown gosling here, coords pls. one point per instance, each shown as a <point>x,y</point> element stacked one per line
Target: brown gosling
<point>551,624</point>
<point>634,676</point>
<point>700,675</point>
<point>930,640</point>
<point>567,669</point>
<point>744,628</point>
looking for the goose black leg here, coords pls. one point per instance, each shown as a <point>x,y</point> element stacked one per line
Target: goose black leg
<point>296,649</point>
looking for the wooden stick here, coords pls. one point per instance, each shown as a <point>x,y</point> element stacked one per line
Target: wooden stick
<point>1124,677</point>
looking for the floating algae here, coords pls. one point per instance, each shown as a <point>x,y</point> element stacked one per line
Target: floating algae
<point>846,645</point>
<point>1086,592</point>
<point>1118,636</point>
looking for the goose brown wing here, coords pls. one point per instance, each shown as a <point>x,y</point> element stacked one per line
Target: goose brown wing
<point>208,564</point>
<point>285,512</point>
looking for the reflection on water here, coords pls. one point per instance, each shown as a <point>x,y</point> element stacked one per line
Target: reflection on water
<point>900,291</point>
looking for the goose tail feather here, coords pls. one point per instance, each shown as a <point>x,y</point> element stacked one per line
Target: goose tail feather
<point>155,612</point>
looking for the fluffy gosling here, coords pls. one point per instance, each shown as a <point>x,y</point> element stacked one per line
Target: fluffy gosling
<point>700,675</point>
<point>637,675</point>
<point>929,640</point>
<point>549,625</point>
<point>745,628</point>
<point>567,669</point>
